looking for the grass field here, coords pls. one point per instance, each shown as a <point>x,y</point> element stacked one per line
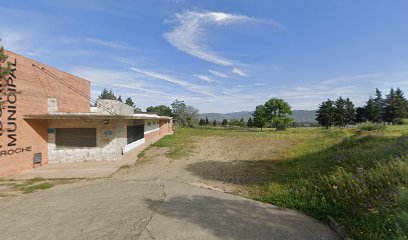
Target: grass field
<point>358,176</point>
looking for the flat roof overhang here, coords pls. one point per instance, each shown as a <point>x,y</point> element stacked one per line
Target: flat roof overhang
<point>91,116</point>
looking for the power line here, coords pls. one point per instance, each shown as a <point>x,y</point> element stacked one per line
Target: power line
<point>74,89</point>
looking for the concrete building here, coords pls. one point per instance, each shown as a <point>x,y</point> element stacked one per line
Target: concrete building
<point>46,116</point>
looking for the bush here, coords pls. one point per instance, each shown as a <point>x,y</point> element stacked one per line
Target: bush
<point>400,121</point>
<point>371,127</point>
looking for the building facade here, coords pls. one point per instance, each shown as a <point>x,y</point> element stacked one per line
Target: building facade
<point>46,117</point>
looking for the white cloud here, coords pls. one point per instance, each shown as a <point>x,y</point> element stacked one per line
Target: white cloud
<point>189,33</point>
<point>13,40</point>
<point>239,72</point>
<point>218,74</point>
<point>189,86</point>
<point>105,43</point>
<point>204,78</point>
<point>342,79</point>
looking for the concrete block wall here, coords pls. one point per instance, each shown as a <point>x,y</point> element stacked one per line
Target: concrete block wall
<point>110,139</point>
<point>114,106</point>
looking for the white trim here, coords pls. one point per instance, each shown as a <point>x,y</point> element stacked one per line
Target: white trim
<point>150,131</point>
<point>133,145</point>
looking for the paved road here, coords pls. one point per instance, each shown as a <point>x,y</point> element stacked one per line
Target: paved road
<point>161,209</point>
<point>155,200</point>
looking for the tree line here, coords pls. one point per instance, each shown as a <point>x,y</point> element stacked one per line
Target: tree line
<point>109,95</point>
<point>391,109</point>
<point>184,115</point>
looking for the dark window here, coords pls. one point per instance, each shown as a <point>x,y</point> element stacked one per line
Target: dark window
<point>75,137</point>
<point>135,133</point>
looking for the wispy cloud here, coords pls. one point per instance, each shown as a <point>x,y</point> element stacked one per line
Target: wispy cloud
<point>13,40</point>
<point>239,72</point>
<point>190,33</point>
<point>189,86</point>
<point>204,78</point>
<point>105,43</point>
<point>342,79</point>
<point>218,74</point>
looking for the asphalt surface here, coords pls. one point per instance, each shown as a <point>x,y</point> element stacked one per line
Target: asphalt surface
<point>148,209</point>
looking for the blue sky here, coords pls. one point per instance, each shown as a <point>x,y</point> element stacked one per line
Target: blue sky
<point>218,55</point>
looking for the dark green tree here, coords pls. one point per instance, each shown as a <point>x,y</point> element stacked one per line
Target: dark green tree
<point>340,112</point>
<point>161,110</point>
<point>371,111</point>
<point>260,117</point>
<point>390,106</point>
<point>349,112</point>
<point>378,109</point>
<point>206,121</point>
<point>361,115</point>
<point>201,122</point>
<point>325,114</point>
<point>234,122</point>
<point>214,123</point>
<point>105,94</point>
<point>277,113</point>
<point>242,122</point>
<point>129,102</point>
<point>401,104</point>
<point>120,98</point>
<point>224,122</point>
<point>250,123</point>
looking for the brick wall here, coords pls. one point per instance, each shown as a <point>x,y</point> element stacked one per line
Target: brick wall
<point>34,87</point>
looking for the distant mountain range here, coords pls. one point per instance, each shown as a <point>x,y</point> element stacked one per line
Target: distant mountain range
<point>298,115</point>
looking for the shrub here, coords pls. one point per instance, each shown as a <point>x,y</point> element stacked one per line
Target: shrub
<point>371,127</point>
<point>400,121</point>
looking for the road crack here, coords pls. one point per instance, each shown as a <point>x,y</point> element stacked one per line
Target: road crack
<point>163,198</point>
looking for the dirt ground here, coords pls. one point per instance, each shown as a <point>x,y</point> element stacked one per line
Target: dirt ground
<point>227,164</point>
<point>163,198</point>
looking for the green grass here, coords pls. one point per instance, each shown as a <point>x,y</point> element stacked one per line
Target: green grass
<point>371,127</point>
<point>360,178</point>
<point>37,187</point>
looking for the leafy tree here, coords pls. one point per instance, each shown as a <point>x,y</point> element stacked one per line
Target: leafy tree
<point>371,112</point>
<point>340,112</point>
<point>277,113</point>
<point>105,94</point>
<point>129,102</point>
<point>180,112</point>
<point>192,113</point>
<point>260,117</point>
<point>361,114</point>
<point>214,123</point>
<point>202,122</point>
<point>206,121</point>
<point>349,112</point>
<point>234,122</point>
<point>401,104</point>
<point>161,110</point>
<point>120,98</point>
<point>377,111</point>
<point>396,105</point>
<point>325,114</point>
<point>5,68</point>
<point>183,114</point>
<point>250,124</point>
<point>242,122</point>
<point>224,122</point>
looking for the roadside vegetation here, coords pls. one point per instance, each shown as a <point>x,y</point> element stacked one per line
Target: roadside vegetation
<point>358,176</point>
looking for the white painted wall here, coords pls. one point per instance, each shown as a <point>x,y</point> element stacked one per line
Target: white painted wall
<point>152,127</point>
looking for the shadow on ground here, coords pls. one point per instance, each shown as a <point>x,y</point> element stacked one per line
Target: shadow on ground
<point>352,153</point>
<point>240,172</point>
<point>235,219</point>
